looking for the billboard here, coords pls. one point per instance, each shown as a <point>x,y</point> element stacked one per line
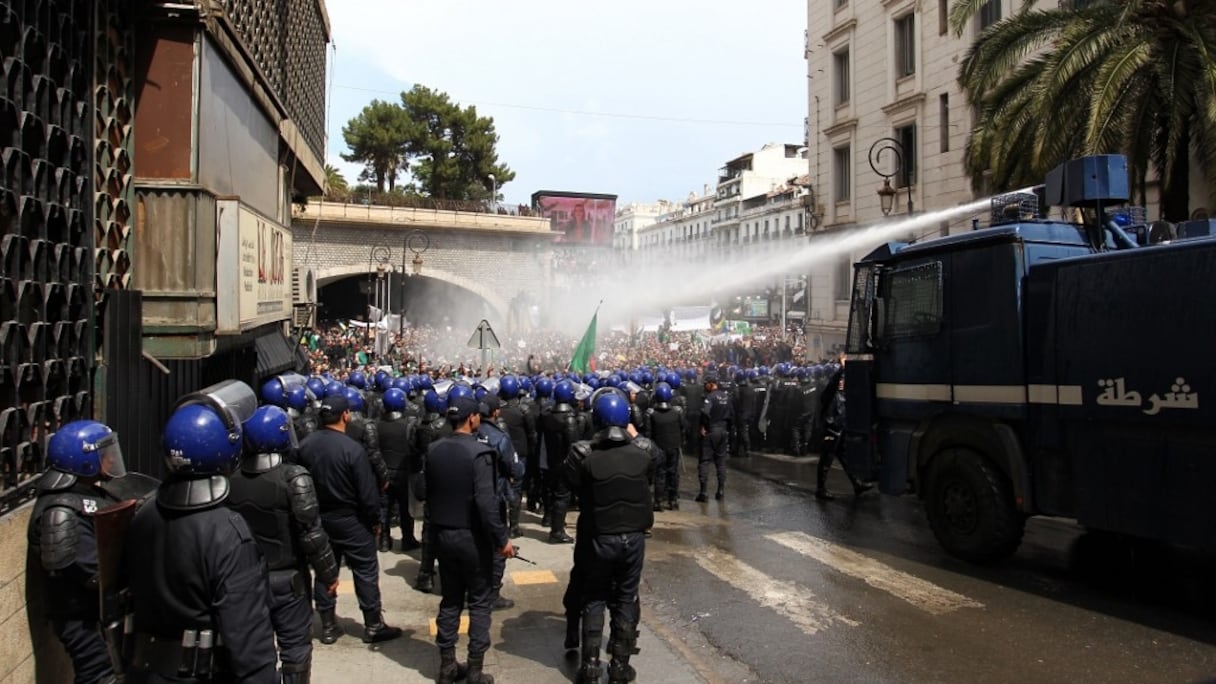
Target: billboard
<point>581,218</point>
<point>253,269</point>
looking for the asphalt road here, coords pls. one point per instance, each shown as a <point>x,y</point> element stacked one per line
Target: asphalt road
<point>771,585</point>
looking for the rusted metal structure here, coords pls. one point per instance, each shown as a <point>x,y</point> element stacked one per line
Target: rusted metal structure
<point>151,153</point>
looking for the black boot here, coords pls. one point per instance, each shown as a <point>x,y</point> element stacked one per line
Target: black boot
<point>386,540</point>
<point>673,504</point>
<point>450,671</point>
<point>557,529</point>
<point>589,672</point>
<point>513,518</point>
<point>330,631</point>
<point>501,603</point>
<point>823,494</point>
<point>621,647</point>
<point>721,492</point>
<point>620,671</point>
<point>702,497</point>
<point>297,673</point>
<point>374,629</point>
<point>425,582</point>
<point>476,676</point>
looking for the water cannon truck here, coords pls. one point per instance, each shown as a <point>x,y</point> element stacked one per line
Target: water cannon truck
<point>1041,367</point>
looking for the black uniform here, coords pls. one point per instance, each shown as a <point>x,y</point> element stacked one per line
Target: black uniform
<point>304,422</point>
<point>434,427</point>
<point>560,427</point>
<point>520,422</point>
<point>745,418</point>
<point>717,415</point>
<point>694,397</point>
<point>350,508</point>
<point>364,431</point>
<point>466,528</point>
<point>63,551</point>
<point>397,433</point>
<point>279,503</point>
<point>611,475</point>
<point>805,416</point>
<point>194,567</point>
<point>665,427</point>
<point>508,468</point>
<point>831,419</point>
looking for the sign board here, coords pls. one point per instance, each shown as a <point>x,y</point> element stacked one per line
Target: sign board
<point>484,337</point>
<point>253,269</point>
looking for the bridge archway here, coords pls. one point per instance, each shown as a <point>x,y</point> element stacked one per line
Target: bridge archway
<point>479,301</point>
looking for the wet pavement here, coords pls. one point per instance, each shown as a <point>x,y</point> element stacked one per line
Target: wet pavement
<point>771,585</point>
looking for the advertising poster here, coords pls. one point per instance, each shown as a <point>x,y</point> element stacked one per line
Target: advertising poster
<point>581,218</point>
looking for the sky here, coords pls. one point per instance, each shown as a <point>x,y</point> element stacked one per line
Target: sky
<point>645,100</point>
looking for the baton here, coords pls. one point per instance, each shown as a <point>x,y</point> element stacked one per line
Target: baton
<point>521,558</point>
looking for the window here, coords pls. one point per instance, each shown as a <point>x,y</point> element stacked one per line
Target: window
<point>842,277</point>
<point>990,13</point>
<point>837,4</point>
<point>840,72</point>
<point>943,17</point>
<point>787,223</point>
<point>943,111</point>
<point>842,169</point>
<point>914,301</point>
<point>906,135</point>
<point>905,45</point>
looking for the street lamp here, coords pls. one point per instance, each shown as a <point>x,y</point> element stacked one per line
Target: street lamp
<point>376,261</point>
<point>416,242</point>
<point>886,194</point>
<point>493,194</point>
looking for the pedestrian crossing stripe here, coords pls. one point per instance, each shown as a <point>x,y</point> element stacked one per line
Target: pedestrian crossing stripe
<point>463,629</point>
<point>523,577</point>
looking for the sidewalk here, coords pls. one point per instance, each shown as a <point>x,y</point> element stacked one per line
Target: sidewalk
<point>526,640</point>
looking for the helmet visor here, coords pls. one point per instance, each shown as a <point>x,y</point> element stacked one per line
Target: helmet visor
<point>109,456</point>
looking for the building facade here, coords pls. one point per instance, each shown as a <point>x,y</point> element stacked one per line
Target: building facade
<point>634,217</point>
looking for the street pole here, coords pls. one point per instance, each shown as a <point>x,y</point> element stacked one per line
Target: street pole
<point>784,286</point>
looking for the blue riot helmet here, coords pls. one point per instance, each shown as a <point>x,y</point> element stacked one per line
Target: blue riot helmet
<point>763,371</point>
<point>609,409</point>
<point>86,448</point>
<point>662,392</point>
<point>593,382</point>
<point>673,379</point>
<point>274,392</point>
<point>740,377</point>
<point>424,382</point>
<point>269,431</point>
<point>800,373</point>
<point>354,398</point>
<point>690,374</point>
<point>317,386</point>
<point>544,387</point>
<point>480,393</point>
<point>647,377</point>
<point>458,390</point>
<point>508,387</point>
<point>402,383</point>
<point>297,399</point>
<point>203,435</point>
<point>817,371</point>
<point>752,373</point>
<point>357,379</point>
<point>394,400</point>
<point>525,385</point>
<point>563,392</point>
<point>333,389</point>
<point>1122,218</point>
<point>613,380</point>
<point>434,403</point>
<point>384,381</point>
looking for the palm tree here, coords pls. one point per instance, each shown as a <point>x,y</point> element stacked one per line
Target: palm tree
<point>1136,77</point>
<point>336,186</point>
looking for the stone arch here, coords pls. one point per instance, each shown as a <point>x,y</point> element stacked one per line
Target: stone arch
<point>329,274</point>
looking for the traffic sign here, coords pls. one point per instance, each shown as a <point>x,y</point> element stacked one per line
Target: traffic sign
<point>484,337</point>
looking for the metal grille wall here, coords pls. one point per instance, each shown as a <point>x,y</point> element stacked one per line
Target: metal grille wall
<point>287,40</point>
<point>46,263</point>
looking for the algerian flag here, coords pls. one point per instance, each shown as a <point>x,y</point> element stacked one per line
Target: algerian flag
<point>586,346</point>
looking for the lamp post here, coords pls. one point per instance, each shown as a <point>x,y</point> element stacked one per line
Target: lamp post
<point>376,260</point>
<point>886,194</point>
<point>417,242</point>
<point>493,194</point>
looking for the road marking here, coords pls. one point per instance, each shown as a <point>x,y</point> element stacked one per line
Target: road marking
<point>346,587</point>
<point>923,594</point>
<point>795,602</point>
<point>534,577</point>
<point>464,626</point>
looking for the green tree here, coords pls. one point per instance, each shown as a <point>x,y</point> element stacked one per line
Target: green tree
<point>377,138</point>
<point>452,151</point>
<point>1130,76</point>
<point>337,189</point>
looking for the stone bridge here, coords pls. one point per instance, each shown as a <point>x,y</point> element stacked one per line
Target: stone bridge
<point>494,256</point>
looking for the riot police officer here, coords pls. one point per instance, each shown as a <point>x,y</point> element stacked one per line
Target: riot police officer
<point>63,544</point>
<point>807,410</point>
<point>466,529</point>
<point>434,427</point>
<point>397,427</point>
<point>665,427</point>
<point>745,416</point>
<point>832,414</point>
<point>509,469</point>
<point>520,421</point>
<point>694,397</point>
<point>279,502</point>
<point>350,514</point>
<point>301,407</point>
<point>364,431</point>
<point>717,414</point>
<point>197,577</point>
<point>611,475</point>
<point>560,427</point>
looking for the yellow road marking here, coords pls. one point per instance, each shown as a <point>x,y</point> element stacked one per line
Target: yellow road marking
<point>534,577</point>
<point>464,626</point>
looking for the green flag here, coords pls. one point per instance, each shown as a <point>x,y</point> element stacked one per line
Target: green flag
<point>586,347</point>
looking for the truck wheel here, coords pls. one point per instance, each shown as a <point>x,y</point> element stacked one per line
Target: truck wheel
<point>970,507</point>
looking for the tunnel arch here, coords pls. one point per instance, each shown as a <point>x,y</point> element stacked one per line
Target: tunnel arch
<point>496,302</point>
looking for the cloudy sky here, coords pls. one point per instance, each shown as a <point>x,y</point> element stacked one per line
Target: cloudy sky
<point>643,99</point>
